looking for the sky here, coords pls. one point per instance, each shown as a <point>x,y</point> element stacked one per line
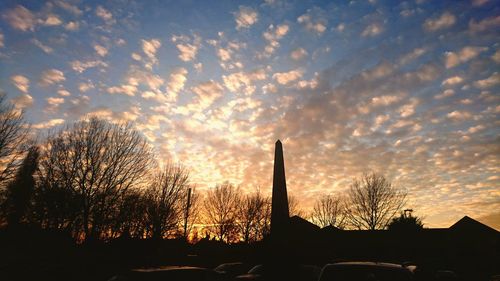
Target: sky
<point>408,89</point>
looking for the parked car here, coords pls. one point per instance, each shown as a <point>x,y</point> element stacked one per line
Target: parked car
<point>170,273</point>
<point>273,272</point>
<point>365,271</point>
<point>233,269</point>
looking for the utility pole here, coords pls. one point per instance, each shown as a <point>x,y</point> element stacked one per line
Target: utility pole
<point>187,212</point>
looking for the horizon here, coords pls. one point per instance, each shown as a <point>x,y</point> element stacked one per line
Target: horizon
<point>405,89</point>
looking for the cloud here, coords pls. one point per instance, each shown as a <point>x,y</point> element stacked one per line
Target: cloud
<point>381,101</point>
<point>372,30</point>
<point>446,20</point>
<point>72,26</point>
<point>477,3</point>
<point>104,14</point>
<point>21,82</point>
<point>313,21</point>
<point>489,82</point>
<point>495,57</point>
<point>54,103</point>
<point>379,120</point>
<point>459,115</point>
<point>409,108</point>
<point>150,48</point>
<point>81,66</point>
<point>136,57</point>
<point>198,67</point>
<point>413,55</point>
<point>245,17</point>
<point>187,51</point>
<point>63,93</point>
<point>40,45</point>
<point>176,82</point>
<point>137,76</point>
<point>298,54</point>
<point>272,35</point>
<point>69,7</point>
<point>52,20</point>
<point>385,100</point>
<point>446,93</point>
<point>49,124</point>
<point>51,76</point>
<point>85,86</point>
<point>224,54</point>
<point>340,27</point>
<point>116,116</point>
<point>188,47</point>
<point>491,23</point>
<point>475,129</point>
<point>22,101</point>
<point>100,50</point>
<point>207,93</point>
<point>452,81</point>
<point>276,33</point>
<point>20,18</point>
<point>379,71</point>
<point>128,90</point>
<point>284,78</point>
<point>466,54</point>
<point>243,81</point>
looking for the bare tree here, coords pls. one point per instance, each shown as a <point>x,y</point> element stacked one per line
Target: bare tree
<point>265,223</point>
<point>165,197</point>
<point>251,217</point>
<point>329,210</point>
<point>57,207</point>
<point>294,208</point>
<point>97,162</point>
<point>13,140</point>
<point>131,221</point>
<point>373,202</point>
<point>220,206</point>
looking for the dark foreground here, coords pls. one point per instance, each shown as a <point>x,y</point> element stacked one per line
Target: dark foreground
<point>43,255</point>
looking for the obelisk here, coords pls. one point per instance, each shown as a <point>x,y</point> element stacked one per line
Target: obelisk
<point>279,207</point>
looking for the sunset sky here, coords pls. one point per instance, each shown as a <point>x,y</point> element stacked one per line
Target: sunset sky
<point>409,89</point>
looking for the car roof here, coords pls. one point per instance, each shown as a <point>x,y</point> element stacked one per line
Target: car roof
<point>231,263</point>
<point>168,268</point>
<point>367,263</point>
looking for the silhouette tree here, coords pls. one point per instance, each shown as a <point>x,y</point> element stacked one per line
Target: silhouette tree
<point>14,140</point>
<point>131,221</point>
<point>406,222</point>
<point>55,205</point>
<point>165,204</point>
<point>329,210</point>
<point>294,208</point>
<point>94,162</point>
<point>373,202</point>
<point>220,207</point>
<point>20,190</point>
<point>251,217</point>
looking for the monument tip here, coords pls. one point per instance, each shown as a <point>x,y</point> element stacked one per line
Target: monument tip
<point>278,141</point>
